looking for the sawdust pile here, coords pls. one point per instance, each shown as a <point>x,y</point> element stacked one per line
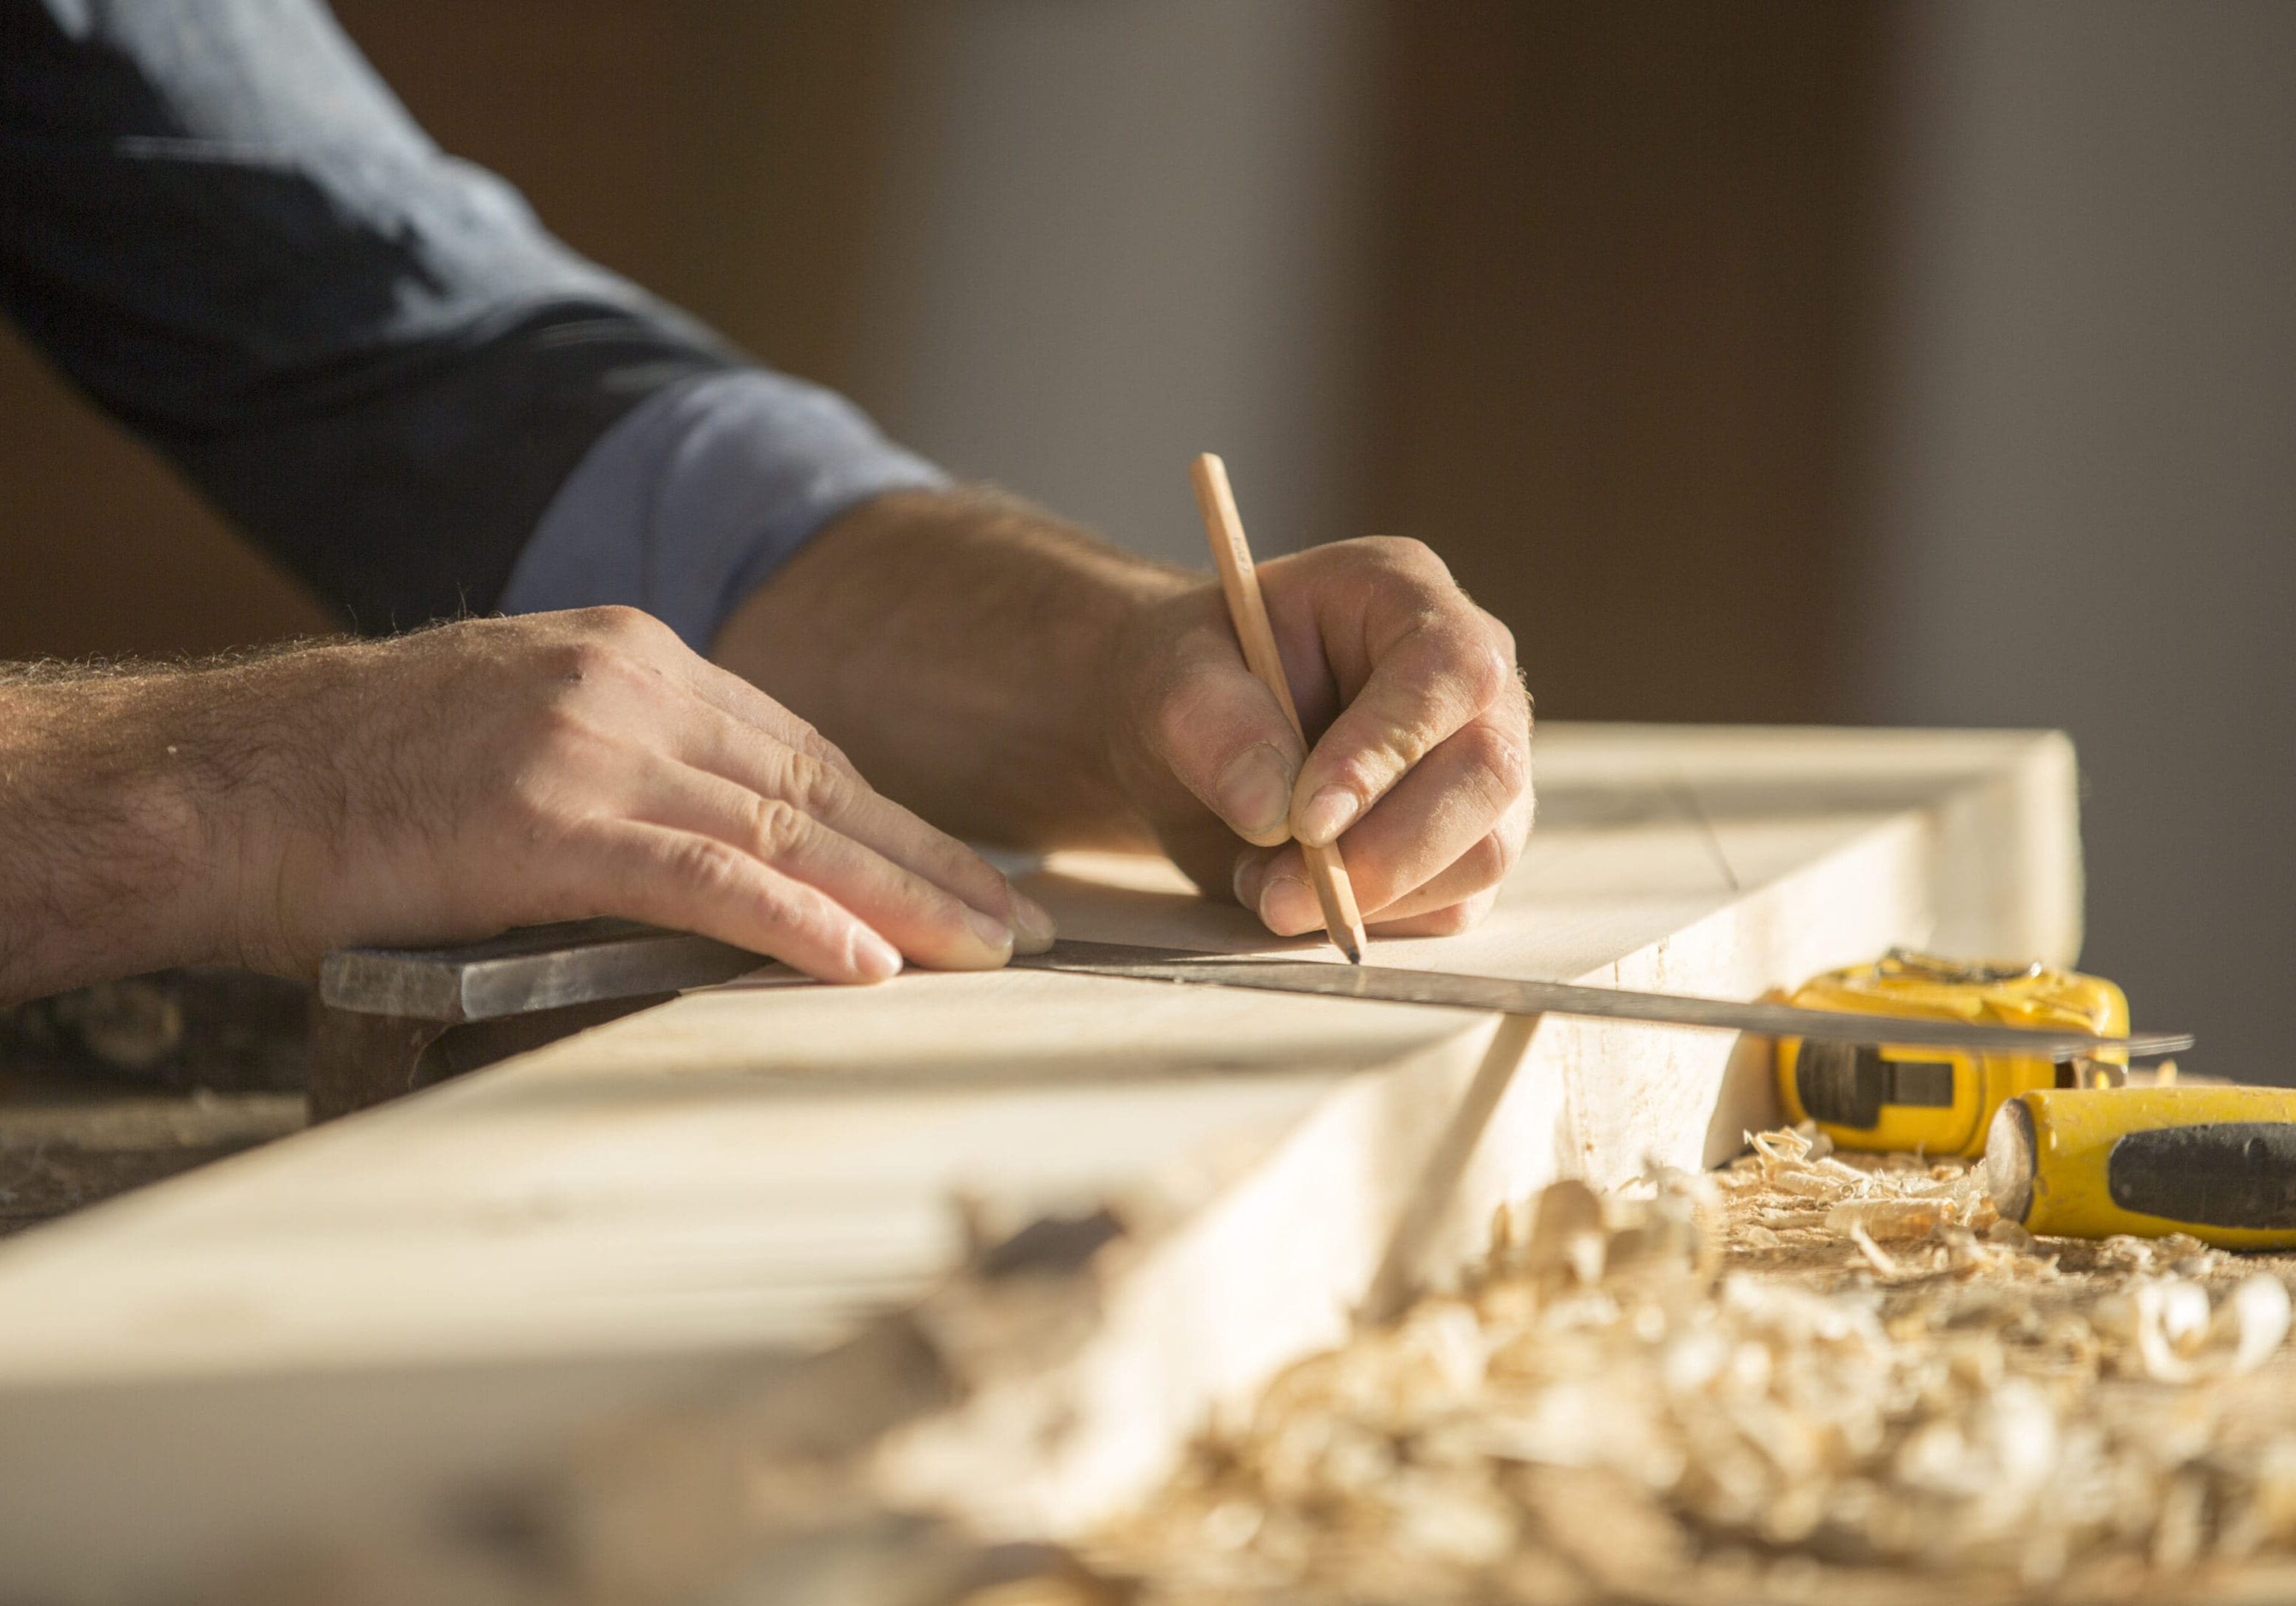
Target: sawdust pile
<point>1799,1379</point>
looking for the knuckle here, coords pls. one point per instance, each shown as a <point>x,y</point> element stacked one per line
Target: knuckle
<point>579,659</point>
<point>1483,667</point>
<point>1464,915</point>
<point>615,639</point>
<point>1487,862</point>
<point>777,826</point>
<point>579,665</point>
<point>619,622</point>
<point>1404,554</point>
<point>1498,755</point>
<point>822,748</point>
<point>1407,740</point>
<point>1502,638</point>
<point>704,864</point>
<point>1495,675</point>
<point>810,785</point>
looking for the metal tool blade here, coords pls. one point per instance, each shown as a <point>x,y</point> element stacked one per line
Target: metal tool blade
<point>527,968</point>
<point>1512,996</point>
<point>545,967</point>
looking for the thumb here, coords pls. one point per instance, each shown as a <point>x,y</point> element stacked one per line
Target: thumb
<point>1223,737</point>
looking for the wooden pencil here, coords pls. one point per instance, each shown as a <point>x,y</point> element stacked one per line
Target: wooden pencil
<point>1247,611</point>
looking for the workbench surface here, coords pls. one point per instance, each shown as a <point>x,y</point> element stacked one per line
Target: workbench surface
<point>334,1333</point>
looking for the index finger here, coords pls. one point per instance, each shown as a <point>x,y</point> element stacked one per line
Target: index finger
<point>1443,672</point>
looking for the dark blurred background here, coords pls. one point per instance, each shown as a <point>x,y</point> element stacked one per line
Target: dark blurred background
<point>1909,363</point>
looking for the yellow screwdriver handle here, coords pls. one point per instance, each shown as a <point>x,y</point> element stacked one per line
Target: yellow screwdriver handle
<point>2216,1162</point>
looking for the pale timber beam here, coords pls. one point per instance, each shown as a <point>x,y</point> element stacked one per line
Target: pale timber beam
<point>733,1192</point>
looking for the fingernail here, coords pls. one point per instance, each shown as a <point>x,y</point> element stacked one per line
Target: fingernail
<point>1288,906</point>
<point>995,934</point>
<point>1032,925</point>
<point>1245,883</point>
<point>874,958</point>
<point>1331,811</point>
<point>1254,791</point>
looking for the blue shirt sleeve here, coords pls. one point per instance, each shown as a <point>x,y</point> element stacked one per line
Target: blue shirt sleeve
<point>220,223</point>
<point>700,493</point>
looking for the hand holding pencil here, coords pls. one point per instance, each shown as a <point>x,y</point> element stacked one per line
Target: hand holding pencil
<point>1247,611</point>
<point>1341,719</point>
<point>1013,679</point>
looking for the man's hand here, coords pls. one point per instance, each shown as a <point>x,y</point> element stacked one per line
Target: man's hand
<point>449,783</point>
<point>1026,684</point>
<point>1422,769</point>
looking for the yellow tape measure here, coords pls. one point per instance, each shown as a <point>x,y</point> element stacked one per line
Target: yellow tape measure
<point>1891,1096</point>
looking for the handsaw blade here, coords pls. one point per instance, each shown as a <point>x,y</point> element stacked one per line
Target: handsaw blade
<point>1508,995</point>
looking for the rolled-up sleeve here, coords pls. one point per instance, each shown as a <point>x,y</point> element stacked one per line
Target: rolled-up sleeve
<point>694,499</point>
<point>218,222</point>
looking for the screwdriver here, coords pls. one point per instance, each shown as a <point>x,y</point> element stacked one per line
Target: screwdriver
<point>2219,1163</point>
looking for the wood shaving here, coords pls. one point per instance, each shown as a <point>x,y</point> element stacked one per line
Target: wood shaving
<point>1891,1217</point>
<point>1875,1255</point>
<point>1804,1378</point>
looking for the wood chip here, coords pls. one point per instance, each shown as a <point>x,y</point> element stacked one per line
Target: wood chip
<point>1891,1218</point>
<point>1731,1390</point>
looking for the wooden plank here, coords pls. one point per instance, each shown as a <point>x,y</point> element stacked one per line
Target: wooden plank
<point>741,1182</point>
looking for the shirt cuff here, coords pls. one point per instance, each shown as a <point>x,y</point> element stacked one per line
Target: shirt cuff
<point>692,500</point>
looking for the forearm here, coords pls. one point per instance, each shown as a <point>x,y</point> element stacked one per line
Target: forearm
<point>107,864</point>
<point>956,645</point>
